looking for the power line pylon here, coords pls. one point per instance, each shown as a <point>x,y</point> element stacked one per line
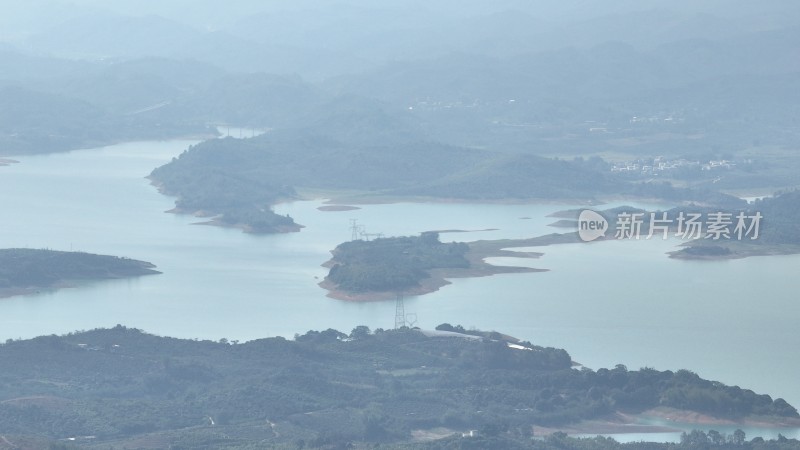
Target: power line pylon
<point>355,230</point>
<point>399,313</point>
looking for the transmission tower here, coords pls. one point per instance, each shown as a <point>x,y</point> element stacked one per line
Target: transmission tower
<point>355,230</point>
<point>399,313</point>
<point>360,232</point>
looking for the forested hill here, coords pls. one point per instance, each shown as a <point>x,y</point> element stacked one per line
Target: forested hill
<point>781,218</point>
<point>50,105</point>
<point>42,122</point>
<point>23,269</point>
<point>380,153</point>
<point>128,389</point>
<point>392,264</point>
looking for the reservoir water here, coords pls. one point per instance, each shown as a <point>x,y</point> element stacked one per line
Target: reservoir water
<point>606,302</point>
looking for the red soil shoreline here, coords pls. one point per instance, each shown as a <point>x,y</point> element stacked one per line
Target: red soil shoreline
<point>438,277</point>
<point>674,421</point>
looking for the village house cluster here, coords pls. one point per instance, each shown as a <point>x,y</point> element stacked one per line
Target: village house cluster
<point>659,164</point>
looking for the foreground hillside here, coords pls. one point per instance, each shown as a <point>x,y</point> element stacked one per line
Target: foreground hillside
<point>126,389</point>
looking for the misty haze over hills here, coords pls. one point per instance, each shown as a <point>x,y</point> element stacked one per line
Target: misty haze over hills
<point>561,63</point>
<point>318,40</point>
<point>693,80</point>
<point>402,117</point>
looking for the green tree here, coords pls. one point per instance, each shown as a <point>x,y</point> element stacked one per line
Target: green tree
<point>738,437</point>
<point>359,332</point>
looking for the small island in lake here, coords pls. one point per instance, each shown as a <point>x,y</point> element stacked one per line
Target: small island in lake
<point>26,271</point>
<point>775,232</point>
<point>336,208</point>
<point>702,252</point>
<point>411,265</point>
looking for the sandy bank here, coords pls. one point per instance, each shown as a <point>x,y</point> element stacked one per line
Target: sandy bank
<point>337,208</point>
<point>663,420</point>
<point>478,267</point>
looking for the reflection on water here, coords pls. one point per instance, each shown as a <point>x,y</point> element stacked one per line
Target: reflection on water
<point>725,430</point>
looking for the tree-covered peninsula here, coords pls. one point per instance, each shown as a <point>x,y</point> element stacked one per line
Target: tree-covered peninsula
<point>385,267</point>
<point>24,270</point>
<point>362,149</point>
<point>766,226</point>
<point>393,264</point>
<point>122,388</point>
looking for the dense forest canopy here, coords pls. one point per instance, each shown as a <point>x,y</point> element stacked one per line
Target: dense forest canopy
<point>123,386</point>
<point>392,264</point>
<point>34,268</point>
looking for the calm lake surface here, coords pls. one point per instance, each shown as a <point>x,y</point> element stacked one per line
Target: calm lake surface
<point>606,302</point>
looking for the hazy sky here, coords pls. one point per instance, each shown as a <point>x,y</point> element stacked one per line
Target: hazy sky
<point>319,39</point>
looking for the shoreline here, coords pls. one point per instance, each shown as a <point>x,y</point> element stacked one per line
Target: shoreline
<point>334,208</point>
<point>14,292</point>
<point>197,136</point>
<point>564,219</point>
<point>355,197</point>
<point>615,423</point>
<point>663,420</point>
<point>144,268</point>
<point>737,250</point>
<point>246,228</point>
<point>214,217</point>
<point>680,416</point>
<point>438,278</point>
<point>363,198</point>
